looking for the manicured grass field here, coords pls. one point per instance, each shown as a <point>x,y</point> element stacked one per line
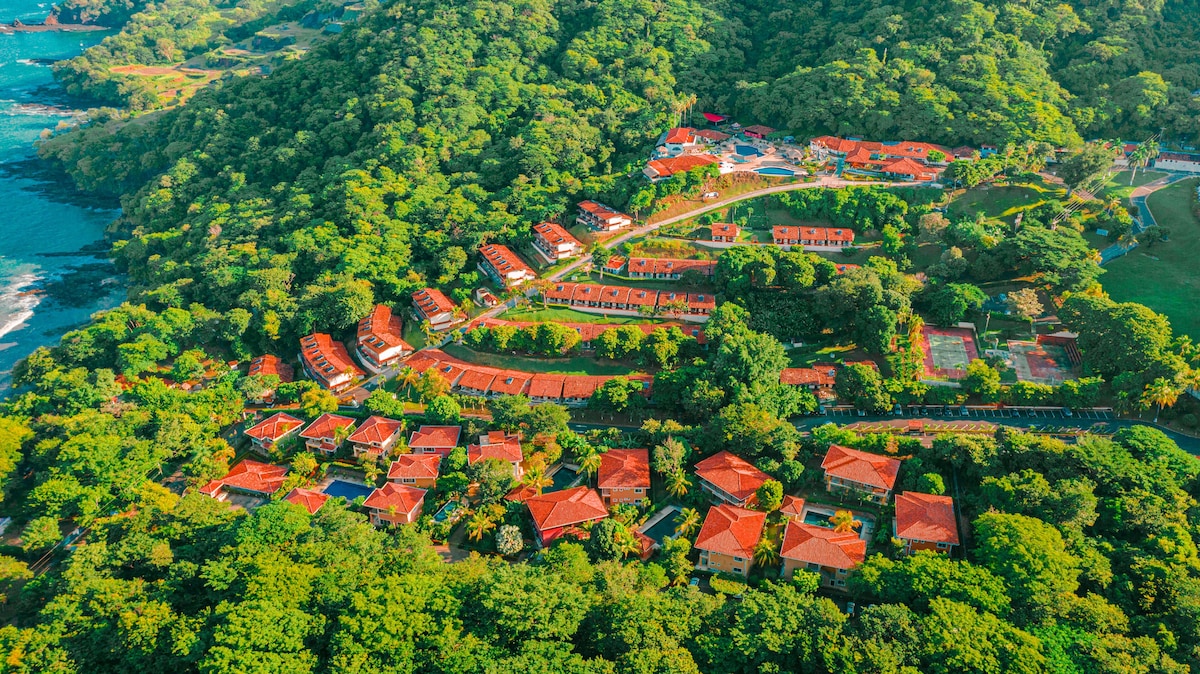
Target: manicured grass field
<point>574,365</point>
<point>1164,277</point>
<point>535,313</point>
<point>1119,185</point>
<point>1005,201</point>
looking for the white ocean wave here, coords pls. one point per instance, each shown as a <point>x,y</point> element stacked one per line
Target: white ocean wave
<point>18,301</point>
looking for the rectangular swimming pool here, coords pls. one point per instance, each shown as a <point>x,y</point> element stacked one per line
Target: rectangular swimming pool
<point>664,527</point>
<point>347,490</point>
<point>562,478</point>
<point>821,519</point>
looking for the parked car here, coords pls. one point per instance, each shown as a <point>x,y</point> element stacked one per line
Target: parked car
<point>694,582</point>
<point>963,411</point>
<point>897,410</point>
<point>710,195</point>
<point>1067,412</point>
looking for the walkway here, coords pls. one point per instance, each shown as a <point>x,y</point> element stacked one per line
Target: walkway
<point>1145,219</point>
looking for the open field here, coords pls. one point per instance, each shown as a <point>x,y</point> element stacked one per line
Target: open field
<point>1119,185</point>
<point>1004,201</point>
<point>535,313</point>
<point>573,365</point>
<point>1165,276</point>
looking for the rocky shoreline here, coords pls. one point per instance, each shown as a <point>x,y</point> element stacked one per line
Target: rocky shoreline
<point>51,24</point>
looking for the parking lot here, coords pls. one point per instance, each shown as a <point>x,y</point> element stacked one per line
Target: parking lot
<point>933,411</point>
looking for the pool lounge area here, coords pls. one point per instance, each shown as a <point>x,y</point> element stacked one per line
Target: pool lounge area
<point>819,516</point>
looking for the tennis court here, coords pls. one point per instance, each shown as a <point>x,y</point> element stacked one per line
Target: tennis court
<point>1040,363</point>
<point>948,351</point>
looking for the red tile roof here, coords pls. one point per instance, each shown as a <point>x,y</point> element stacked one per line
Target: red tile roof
<point>793,506</point>
<point>925,517</point>
<point>664,265</point>
<point>509,451</point>
<point>823,546</point>
<point>503,260</point>
<point>624,469</point>
<point>563,508</point>
<point>309,499</point>
<point>271,365</point>
<point>249,475</point>
<point>600,211</point>
<point>910,149</point>
<point>510,382</point>
<point>327,358</point>
<point>712,135</point>
<point>725,229</point>
<point>579,387</point>
<point>376,430</point>
<point>615,262</point>
<point>862,467</point>
<point>477,379</point>
<point>433,437</point>
<point>731,474</point>
<point>665,168</point>
<point>680,135</point>
<point>326,427</point>
<point>759,129</point>
<point>730,530</point>
<point>381,330</point>
<point>906,166</point>
<point>431,302</point>
<point>546,386</point>
<point>402,497</point>
<point>415,466</point>
<point>554,234</point>
<point>274,427</point>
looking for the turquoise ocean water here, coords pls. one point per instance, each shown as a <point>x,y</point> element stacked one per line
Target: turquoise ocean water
<point>48,284</point>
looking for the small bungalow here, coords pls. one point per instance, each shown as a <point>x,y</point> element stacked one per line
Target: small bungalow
<point>269,365</point>
<point>416,470</point>
<point>624,476</point>
<point>438,440</point>
<point>505,449</point>
<point>394,504</point>
<point>725,232</point>
<point>561,512</point>
<point>871,475</point>
<point>326,434</point>
<point>307,498</point>
<point>250,477</point>
<point>267,433</point>
<point>757,131</point>
<point>925,522</point>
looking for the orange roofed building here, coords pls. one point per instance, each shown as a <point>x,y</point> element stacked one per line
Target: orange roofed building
<point>661,169</point>
<point>624,475</point>
<point>416,470</point>
<point>600,217</point>
<point>822,550</point>
<point>308,499</point>
<point>327,362</point>
<point>375,437</point>
<point>562,512</point>
<point>725,232</point>
<point>269,365</point>
<point>726,540</point>
<point>925,522</point>
<point>872,475</point>
<point>507,450</point>
<point>380,344</point>
<point>438,440</point>
<point>394,504</point>
<point>504,266</point>
<point>730,478</point>
<point>554,242</point>
<point>325,434</point>
<point>432,305</point>
<point>254,478</point>
<point>266,433</point>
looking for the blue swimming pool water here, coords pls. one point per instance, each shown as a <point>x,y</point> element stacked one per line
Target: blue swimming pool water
<point>662,528</point>
<point>821,519</point>
<point>562,478</point>
<point>446,511</point>
<point>774,171</point>
<point>347,490</point>
<point>747,151</point>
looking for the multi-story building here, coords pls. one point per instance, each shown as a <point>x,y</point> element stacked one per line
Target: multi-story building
<point>624,476</point>
<point>504,266</point>
<point>850,470</point>
<point>327,362</point>
<point>327,433</point>
<point>416,470</point>
<point>380,344</point>
<point>925,522</point>
<point>730,478</point>
<point>554,242</point>
<point>562,512</point>
<point>432,305</point>
<point>394,504</point>
<point>267,433</point>
<point>832,554</point>
<point>597,216</point>
<point>375,437</point>
<point>727,539</point>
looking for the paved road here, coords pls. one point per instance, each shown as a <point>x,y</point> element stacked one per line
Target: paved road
<point>1144,219</point>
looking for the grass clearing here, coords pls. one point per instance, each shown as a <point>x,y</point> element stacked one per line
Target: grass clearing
<point>555,314</point>
<point>1118,186</point>
<point>571,365</point>
<point>1164,276</point>
<point>1004,200</point>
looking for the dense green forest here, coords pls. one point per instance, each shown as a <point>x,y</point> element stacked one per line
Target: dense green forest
<point>268,207</point>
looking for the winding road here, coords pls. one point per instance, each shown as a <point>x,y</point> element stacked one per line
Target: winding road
<point>1145,218</point>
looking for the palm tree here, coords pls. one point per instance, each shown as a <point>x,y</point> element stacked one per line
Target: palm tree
<point>678,484</point>
<point>1189,380</point>
<point>590,464</point>
<point>765,553</point>
<point>535,477</point>
<point>687,522</point>
<point>543,286</point>
<point>843,522</point>
<point>478,525</point>
<point>1162,392</point>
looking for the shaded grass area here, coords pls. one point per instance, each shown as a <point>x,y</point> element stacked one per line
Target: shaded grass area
<point>1006,200</point>
<point>1165,276</point>
<point>572,365</point>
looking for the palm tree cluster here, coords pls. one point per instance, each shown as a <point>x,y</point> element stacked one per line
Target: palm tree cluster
<point>1141,156</point>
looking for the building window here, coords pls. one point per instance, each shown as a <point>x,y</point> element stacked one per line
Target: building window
<point>942,546</point>
<point>409,480</point>
<point>739,560</point>
<point>637,490</point>
<point>813,567</point>
<point>737,569</point>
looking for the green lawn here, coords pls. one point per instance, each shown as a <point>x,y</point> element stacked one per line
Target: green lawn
<point>1004,201</point>
<point>1119,185</point>
<point>805,356</point>
<point>1165,276</point>
<point>536,314</point>
<point>574,365</point>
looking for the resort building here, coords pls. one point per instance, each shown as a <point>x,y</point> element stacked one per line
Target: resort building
<point>725,232</point>
<point>832,554</point>
<point>562,512</point>
<point>327,362</point>
<point>726,540</point>
<point>668,268</point>
<point>787,236</point>
<point>730,478</point>
<point>594,298</point>
<point>545,388</point>
<point>380,344</point>
<point>270,431</point>
<point>711,136</point>
<point>253,478</point>
<point>416,470</point>
<point>662,169</point>
<point>624,476</point>
<point>602,218</point>
<point>925,522</point>
<point>678,140</point>
<point>502,448</point>
<point>438,440</point>
<point>757,131</point>
<point>394,504</point>
<point>307,498</point>
<point>871,475</point>
<point>433,306</point>
<point>326,434</point>
<point>555,243</point>
<point>270,366</point>
<point>504,266</point>
<point>375,437</point>
<point>1177,161</point>
<point>827,146</point>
